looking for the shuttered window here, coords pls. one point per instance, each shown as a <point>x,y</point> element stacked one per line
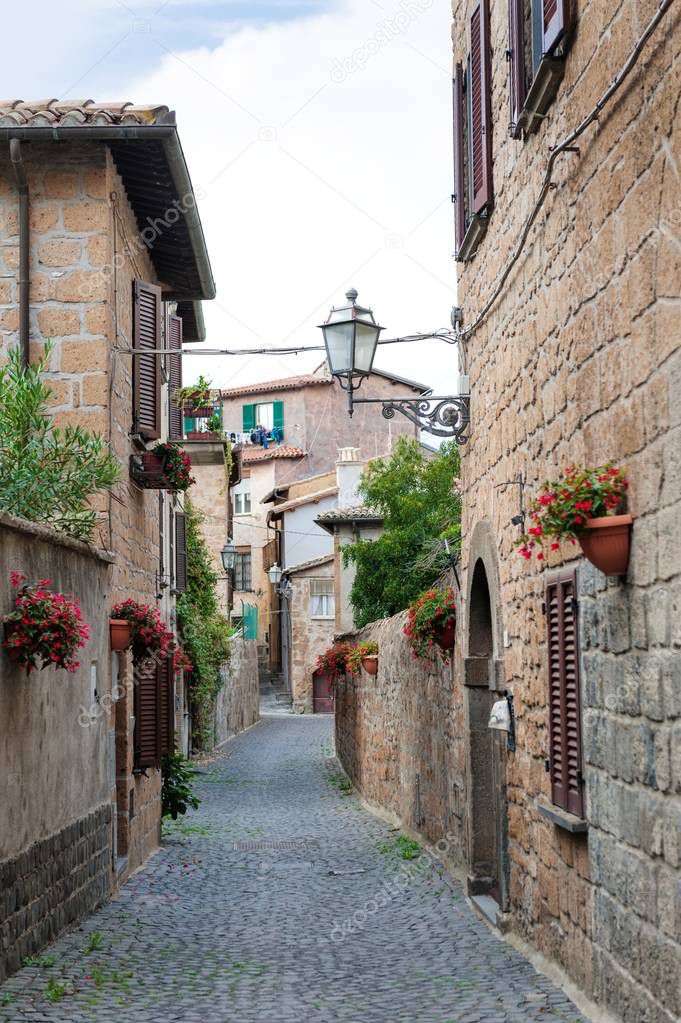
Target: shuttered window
<point>278,415</point>
<point>180,552</point>
<point>147,368</point>
<point>516,62</point>
<point>175,418</point>
<point>154,712</point>
<point>248,418</point>
<point>480,141</point>
<point>567,787</point>
<point>556,16</point>
<point>459,196</point>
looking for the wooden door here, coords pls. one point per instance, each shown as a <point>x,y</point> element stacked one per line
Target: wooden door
<point>322,693</point>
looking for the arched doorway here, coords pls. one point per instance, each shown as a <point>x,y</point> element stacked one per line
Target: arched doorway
<point>487,798</point>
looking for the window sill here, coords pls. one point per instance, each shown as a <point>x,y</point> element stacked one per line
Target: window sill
<point>475,232</point>
<point>562,819</point>
<point>322,618</point>
<point>541,95</point>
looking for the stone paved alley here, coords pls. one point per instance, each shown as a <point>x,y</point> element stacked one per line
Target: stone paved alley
<point>221,926</point>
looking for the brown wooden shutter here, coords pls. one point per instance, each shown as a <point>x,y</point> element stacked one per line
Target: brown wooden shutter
<point>147,368</point>
<point>180,552</point>
<point>175,419</point>
<point>146,714</point>
<point>481,112</point>
<point>459,196</point>
<point>564,698</point>
<point>556,18</point>
<point>165,678</point>
<point>516,62</point>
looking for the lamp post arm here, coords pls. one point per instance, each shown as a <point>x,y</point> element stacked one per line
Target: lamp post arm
<point>439,415</point>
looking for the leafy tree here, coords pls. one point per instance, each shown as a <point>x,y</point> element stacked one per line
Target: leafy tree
<point>418,498</point>
<point>205,632</point>
<point>47,475</point>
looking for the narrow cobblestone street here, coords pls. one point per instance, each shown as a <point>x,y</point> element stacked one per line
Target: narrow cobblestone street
<point>222,925</point>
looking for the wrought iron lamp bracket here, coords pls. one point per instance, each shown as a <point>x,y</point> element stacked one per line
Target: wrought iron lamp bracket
<point>440,416</point>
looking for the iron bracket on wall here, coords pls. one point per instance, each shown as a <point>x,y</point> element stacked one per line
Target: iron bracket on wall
<point>434,414</point>
<point>511,711</point>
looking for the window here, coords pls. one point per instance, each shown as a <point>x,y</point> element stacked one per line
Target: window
<point>176,412</point>
<point>242,498</point>
<point>154,709</point>
<point>147,368</point>
<point>180,552</point>
<point>322,599</point>
<point>565,726</point>
<point>242,571</point>
<point>538,39</point>
<point>473,187</point>
<point>267,415</point>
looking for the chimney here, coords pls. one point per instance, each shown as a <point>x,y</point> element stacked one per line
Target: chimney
<point>348,475</point>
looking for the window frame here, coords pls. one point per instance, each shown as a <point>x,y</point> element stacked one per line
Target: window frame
<point>328,597</point>
<point>243,558</point>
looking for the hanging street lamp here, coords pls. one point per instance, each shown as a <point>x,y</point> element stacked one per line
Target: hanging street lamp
<point>228,555</point>
<point>351,336</point>
<point>275,574</point>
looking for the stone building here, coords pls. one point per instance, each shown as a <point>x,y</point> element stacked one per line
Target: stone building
<point>102,252</point>
<point>567,196</point>
<point>309,614</point>
<point>307,422</point>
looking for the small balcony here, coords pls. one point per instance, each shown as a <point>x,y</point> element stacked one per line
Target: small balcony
<point>203,423</point>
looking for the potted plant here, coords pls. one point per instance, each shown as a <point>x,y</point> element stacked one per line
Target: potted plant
<point>45,629</point>
<point>431,624</point>
<point>120,633</point>
<point>582,506</point>
<point>334,661</point>
<point>366,656</point>
<point>150,634</point>
<point>166,467</point>
<point>194,397</point>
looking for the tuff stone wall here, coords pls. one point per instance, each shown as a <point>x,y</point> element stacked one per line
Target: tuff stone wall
<point>238,703</point>
<point>404,724</point>
<point>56,774</point>
<point>580,361</point>
<point>53,884</point>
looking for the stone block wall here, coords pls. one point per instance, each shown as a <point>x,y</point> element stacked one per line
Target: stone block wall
<point>52,885</point>
<point>238,703</point>
<point>579,361</point>
<point>56,774</point>
<point>404,724</point>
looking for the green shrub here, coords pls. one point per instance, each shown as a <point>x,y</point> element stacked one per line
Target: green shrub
<point>47,475</point>
<point>177,795</point>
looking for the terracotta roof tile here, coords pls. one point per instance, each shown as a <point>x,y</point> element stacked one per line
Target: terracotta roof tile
<point>286,384</point>
<point>357,514</point>
<point>56,112</point>
<point>306,565</point>
<point>256,454</point>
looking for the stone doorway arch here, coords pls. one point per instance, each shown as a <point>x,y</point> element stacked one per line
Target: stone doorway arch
<point>487,799</point>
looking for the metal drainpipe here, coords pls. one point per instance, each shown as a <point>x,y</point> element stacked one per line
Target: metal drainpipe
<point>17,159</point>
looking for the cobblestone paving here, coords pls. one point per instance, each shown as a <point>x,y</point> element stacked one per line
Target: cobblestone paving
<point>334,926</point>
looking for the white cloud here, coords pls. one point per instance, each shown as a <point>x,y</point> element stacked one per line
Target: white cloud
<point>314,184</point>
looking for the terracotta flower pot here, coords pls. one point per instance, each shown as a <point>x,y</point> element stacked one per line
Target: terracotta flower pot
<point>445,637</point>
<point>120,631</point>
<point>606,542</point>
<point>370,664</point>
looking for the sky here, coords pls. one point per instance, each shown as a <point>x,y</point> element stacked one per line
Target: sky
<point>318,137</point>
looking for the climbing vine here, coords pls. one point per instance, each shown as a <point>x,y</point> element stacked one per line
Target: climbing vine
<point>205,631</point>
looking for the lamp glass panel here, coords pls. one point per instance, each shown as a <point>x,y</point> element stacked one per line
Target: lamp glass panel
<point>365,347</point>
<point>338,338</point>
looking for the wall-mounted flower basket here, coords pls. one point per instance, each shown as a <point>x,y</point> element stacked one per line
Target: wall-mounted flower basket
<point>431,623</point>
<point>45,629</point>
<point>167,467</point>
<point>581,507</point>
<point>606,542</point>
<point>370,664</point>
<point>149,634</point>
<point>120,631</point>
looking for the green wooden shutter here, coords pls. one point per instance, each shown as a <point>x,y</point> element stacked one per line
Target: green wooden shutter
<point>249,418</point>
<point>250,621</point>
<point>278,415</point>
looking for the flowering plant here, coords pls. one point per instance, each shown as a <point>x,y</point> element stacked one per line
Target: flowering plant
<point>428,618</point>
<point>150,634</point>
<point>45,629</point>
<point>176,465</point>
<point>356,653</point>
<point>563,507</point>
<point>334,661</point>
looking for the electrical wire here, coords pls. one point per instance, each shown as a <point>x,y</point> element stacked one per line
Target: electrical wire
<point>567,145</point>
<point>441,334</point>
